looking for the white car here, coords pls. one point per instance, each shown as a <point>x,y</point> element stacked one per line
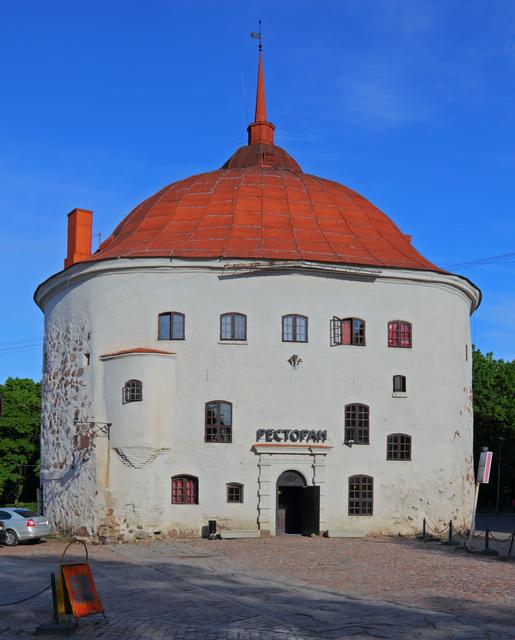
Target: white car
<point>22,524</point>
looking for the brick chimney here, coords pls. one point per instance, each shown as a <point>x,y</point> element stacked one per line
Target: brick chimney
<point>79,236</point>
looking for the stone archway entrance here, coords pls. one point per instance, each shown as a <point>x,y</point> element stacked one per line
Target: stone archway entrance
<point>298,505</point>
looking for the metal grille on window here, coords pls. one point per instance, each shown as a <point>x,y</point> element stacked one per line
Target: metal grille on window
<point>171,326</point>
<point>295,328</point>
<point>399,334</point>
<point>398,447</point>
<point>184,490</point>
<point>357,423</point>
<point>233,326</point>
<point>133,391</point>
<point>218,427</point>
<point>234,492</point>
<point>361,495</point>
<point>399,384</point>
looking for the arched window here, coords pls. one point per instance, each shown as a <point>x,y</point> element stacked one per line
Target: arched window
<point>170,326</point>
<point>133,391</point>
<point>233,326</point>
<point>361,495</point>
<point>399,384</point>
<point>398,446</point>
<point>218,425</point>
<point>295,328</point>
<point>357,423</point>
<point>399,334</point>
<point>234,492</point>
<point>184,490</point>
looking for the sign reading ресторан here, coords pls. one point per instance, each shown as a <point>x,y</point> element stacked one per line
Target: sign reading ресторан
<point>291,435</point>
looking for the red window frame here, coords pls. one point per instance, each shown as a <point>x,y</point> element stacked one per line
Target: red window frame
<point>400,334</point>
<point>184,490</point>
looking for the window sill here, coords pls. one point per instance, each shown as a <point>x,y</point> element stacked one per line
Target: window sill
<point>399,394</point>
<point>233,342</point>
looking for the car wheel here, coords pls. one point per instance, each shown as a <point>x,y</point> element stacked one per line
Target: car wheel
<point>11,539</point>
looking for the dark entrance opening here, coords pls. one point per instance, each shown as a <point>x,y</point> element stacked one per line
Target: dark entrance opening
<point>298,506</point>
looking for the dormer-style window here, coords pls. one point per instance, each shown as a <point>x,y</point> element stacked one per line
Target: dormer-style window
<point>171,326</point>
<point>132,391</point>
<point>233,326</point>
<point>399,334</point>
<point>295,328</point>
<point>348,331</point>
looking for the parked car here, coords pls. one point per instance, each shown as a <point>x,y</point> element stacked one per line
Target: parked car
<point>22,524</point>
<point>2,533</point>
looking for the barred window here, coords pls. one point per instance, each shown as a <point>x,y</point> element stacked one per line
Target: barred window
<point>399,334</point>
<point>399,384</point>
<point>398,446</point>
<point>218,425</point>
<point>171,326</point>
<point>234,492</point>
<point>132,391</point>
<point>184,490</point>
<point>233,326</point>
<point>361,495</point>
<point>295,328</point>
<point>357,423</point>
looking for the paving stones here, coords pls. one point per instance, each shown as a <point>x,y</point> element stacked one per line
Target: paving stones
<point>289,589</point>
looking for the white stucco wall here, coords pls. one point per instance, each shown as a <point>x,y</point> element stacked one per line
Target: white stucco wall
<point>120,301</point>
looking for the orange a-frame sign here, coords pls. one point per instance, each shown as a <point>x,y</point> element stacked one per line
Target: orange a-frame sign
<point>76,590</point>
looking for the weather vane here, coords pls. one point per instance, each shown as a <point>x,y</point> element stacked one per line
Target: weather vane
<point>257,36</point>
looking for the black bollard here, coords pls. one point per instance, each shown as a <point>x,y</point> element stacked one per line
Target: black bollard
<point>487,551</point>
<point>511,544</point>
<point>54,598</point>
<point>424,528</point>
<point>450,542</point>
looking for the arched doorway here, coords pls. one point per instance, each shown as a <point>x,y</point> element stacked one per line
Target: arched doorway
<point>290,486</point>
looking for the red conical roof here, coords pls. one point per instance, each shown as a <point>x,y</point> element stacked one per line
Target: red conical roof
<point>260,204</point>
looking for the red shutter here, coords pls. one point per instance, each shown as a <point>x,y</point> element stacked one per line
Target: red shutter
<point>346,331</point>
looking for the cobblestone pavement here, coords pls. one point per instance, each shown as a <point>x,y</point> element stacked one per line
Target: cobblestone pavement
<point>272,589</point>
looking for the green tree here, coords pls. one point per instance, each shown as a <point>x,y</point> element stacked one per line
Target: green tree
<point>19,435</point>
<point>493,384</point>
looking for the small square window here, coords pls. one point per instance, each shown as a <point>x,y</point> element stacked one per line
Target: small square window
<point>234,492</point>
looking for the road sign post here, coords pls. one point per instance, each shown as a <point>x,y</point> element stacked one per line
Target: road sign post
<point>482,477</point>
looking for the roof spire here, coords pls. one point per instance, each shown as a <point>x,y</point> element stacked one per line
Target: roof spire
<point>260,131</point>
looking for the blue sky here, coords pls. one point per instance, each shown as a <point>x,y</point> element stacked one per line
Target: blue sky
<point>411,103</point>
